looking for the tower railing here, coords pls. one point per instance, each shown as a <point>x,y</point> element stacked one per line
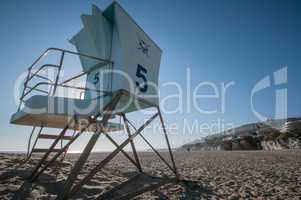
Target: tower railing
<point>55,84</point>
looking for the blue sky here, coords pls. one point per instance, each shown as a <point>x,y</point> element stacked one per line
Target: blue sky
<point>219,41</point>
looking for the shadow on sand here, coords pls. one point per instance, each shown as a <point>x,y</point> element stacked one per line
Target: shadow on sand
<point>192,190</point>
<point>136,184</point>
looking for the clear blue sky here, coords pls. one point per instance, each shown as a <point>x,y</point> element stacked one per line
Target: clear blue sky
<point>220,41</point>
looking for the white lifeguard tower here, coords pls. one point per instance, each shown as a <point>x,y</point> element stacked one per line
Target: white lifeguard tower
<point>121,64</point>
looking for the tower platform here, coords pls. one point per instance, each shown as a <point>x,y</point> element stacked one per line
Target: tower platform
<point>56,112</point>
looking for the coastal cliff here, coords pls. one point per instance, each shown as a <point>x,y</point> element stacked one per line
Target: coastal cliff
<point>268,135</point>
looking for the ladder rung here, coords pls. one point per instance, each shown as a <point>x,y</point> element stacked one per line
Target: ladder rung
<point>53,137</point>
<point>45,150</point>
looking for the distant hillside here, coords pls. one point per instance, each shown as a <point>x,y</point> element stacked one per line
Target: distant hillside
<point>268,135</point>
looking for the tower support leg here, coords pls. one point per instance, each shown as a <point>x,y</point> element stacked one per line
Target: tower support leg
<point>85,154</point>
<point>29,141</point>
<point>168,144</point>
<point>29,152</point>
<point>132,142</point>
<point>98,167</point>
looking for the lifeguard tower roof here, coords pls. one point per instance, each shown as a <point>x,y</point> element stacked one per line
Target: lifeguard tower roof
<point>114,35</point>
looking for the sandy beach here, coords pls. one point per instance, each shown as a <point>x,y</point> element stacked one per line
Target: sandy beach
<point>207,175</point>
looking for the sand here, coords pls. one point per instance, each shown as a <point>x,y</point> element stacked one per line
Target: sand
<point>207,175</point>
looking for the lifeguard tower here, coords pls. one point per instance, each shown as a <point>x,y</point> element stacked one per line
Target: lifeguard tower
<point>121,65</point>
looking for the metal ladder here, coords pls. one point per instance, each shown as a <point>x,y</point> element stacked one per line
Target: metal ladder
<point>44,136</point>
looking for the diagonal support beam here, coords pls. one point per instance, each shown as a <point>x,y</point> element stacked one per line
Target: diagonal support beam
<point>77,187</point>
<point>156,152</point>
<point>122,151</point>
<point>37,173</point>
<point>132,142</point>
<point>84,156</point>
<point>168,145</point>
